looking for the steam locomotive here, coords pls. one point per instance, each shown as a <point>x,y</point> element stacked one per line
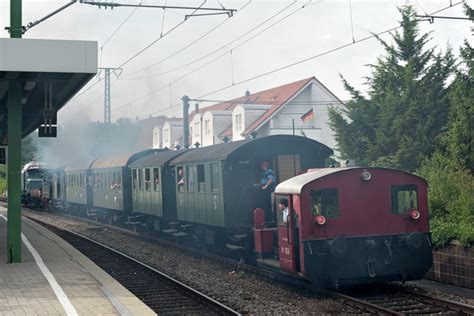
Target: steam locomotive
<point>340,226</point>
<point>33,184</point>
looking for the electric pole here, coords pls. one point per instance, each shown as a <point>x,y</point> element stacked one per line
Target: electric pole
<point>107,95</point>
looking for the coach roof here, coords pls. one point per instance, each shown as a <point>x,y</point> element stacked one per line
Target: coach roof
<point>295,185</point>
<point>156,158</point>
<point>121,160</point>
<point>247,147</point>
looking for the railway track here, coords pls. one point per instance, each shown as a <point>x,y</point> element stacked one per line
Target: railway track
<point>389,300</point>
<point>162,293</point>
<point>397,300</point>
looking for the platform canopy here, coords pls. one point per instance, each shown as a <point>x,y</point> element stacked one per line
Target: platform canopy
<point>50,72</point>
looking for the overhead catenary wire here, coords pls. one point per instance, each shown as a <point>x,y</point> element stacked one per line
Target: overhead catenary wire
<point>158,39</point>
<point>240,44</point>
<point>221,55</point>
<point>217,49</point>
<point>147,47</point>
<point>186,46</point>
<point>163,19</point>
<point>374,35</point>
<point>269,102</point>
<point>116,30</point>
<point>352,22</point>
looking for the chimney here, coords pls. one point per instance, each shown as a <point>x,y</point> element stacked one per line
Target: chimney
<point>196,108</point>
<point>247,93</point>
<point>185,100</point>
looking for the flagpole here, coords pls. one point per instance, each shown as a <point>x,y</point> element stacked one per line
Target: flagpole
<point>294,149</point>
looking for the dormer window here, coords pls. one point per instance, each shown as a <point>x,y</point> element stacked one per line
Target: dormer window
<point>238,122</point>
<point>166,135</point>
<point>207,127</point>
<point>196,129</point>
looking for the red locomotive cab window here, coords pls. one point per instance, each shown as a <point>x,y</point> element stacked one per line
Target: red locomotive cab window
<point>404,199</point>
<point>282,210</point>
<point>325,202</point>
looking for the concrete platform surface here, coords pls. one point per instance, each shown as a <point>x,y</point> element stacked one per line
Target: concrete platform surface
<point>56,279</point>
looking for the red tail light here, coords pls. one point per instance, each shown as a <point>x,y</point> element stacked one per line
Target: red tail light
<point>414,214</point>
<point>320,220</point>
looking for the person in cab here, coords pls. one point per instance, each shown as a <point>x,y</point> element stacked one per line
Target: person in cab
<point>283,211</point>
<point>267,178</point>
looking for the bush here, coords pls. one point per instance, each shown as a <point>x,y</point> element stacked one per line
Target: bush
<point>450,200</point>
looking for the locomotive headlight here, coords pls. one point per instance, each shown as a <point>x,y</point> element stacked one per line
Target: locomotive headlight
<point>320,220</point>
<point>365,175</point>
<point>414,214</point>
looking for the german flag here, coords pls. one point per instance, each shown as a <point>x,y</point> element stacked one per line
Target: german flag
<point>308,116</point>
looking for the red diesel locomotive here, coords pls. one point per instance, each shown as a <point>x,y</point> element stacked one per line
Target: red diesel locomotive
<point>347,226</point>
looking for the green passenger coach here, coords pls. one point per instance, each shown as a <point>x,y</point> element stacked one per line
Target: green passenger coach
<point>76,179</point>
<point>149,176</point>
<point>111,182</point>
<point>216,185</point>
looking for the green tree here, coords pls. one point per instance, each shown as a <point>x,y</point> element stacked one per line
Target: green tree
<point>406,107</point>
<point>459,138</point>
<point>450,171</point>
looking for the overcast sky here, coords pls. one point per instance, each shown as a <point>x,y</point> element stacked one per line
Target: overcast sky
<point>297,33</point>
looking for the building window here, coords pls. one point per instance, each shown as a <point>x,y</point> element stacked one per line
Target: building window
<point>196,129</point>
<point>207,127</point>
<point>238,122</point>
<point>156,179</point>
<point>404,198</point>
<point>215,177</point>
<point>166,135</point>
<point>325,202</point>
<point>190,178</point>
<point>201,179</point>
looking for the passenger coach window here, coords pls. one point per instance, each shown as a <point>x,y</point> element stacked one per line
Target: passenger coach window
<point>190,177</point>
<point>404,198</point>
<point>147,179</point>
<point>140,179</point>
<point>156,179</point>
<point>134,179</point>
<point>201,179</point>
<point>215,177</point>
<point>325,202</point>
<point>119,180</point>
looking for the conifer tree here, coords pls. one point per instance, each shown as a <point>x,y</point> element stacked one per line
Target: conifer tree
<point>399,120</point>
<point>459,138</point>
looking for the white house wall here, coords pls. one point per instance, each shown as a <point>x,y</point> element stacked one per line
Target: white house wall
<point>248,115</point>
<point>157,137</point>
<point>196,135</point>
<point>318,128</point>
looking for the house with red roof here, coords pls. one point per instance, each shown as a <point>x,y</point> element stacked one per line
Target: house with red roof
<point>299,108</point>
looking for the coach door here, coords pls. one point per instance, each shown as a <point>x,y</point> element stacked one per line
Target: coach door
<point>286,232</point>
<point>288,166</point>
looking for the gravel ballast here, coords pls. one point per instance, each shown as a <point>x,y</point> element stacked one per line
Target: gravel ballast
<point>244,291</point>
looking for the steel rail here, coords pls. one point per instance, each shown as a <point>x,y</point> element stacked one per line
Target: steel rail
<point>361,304</point>
<point>441,302</point>
<point>223,308</point>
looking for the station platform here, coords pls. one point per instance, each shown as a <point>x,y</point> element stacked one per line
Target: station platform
<point>56,279</point>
